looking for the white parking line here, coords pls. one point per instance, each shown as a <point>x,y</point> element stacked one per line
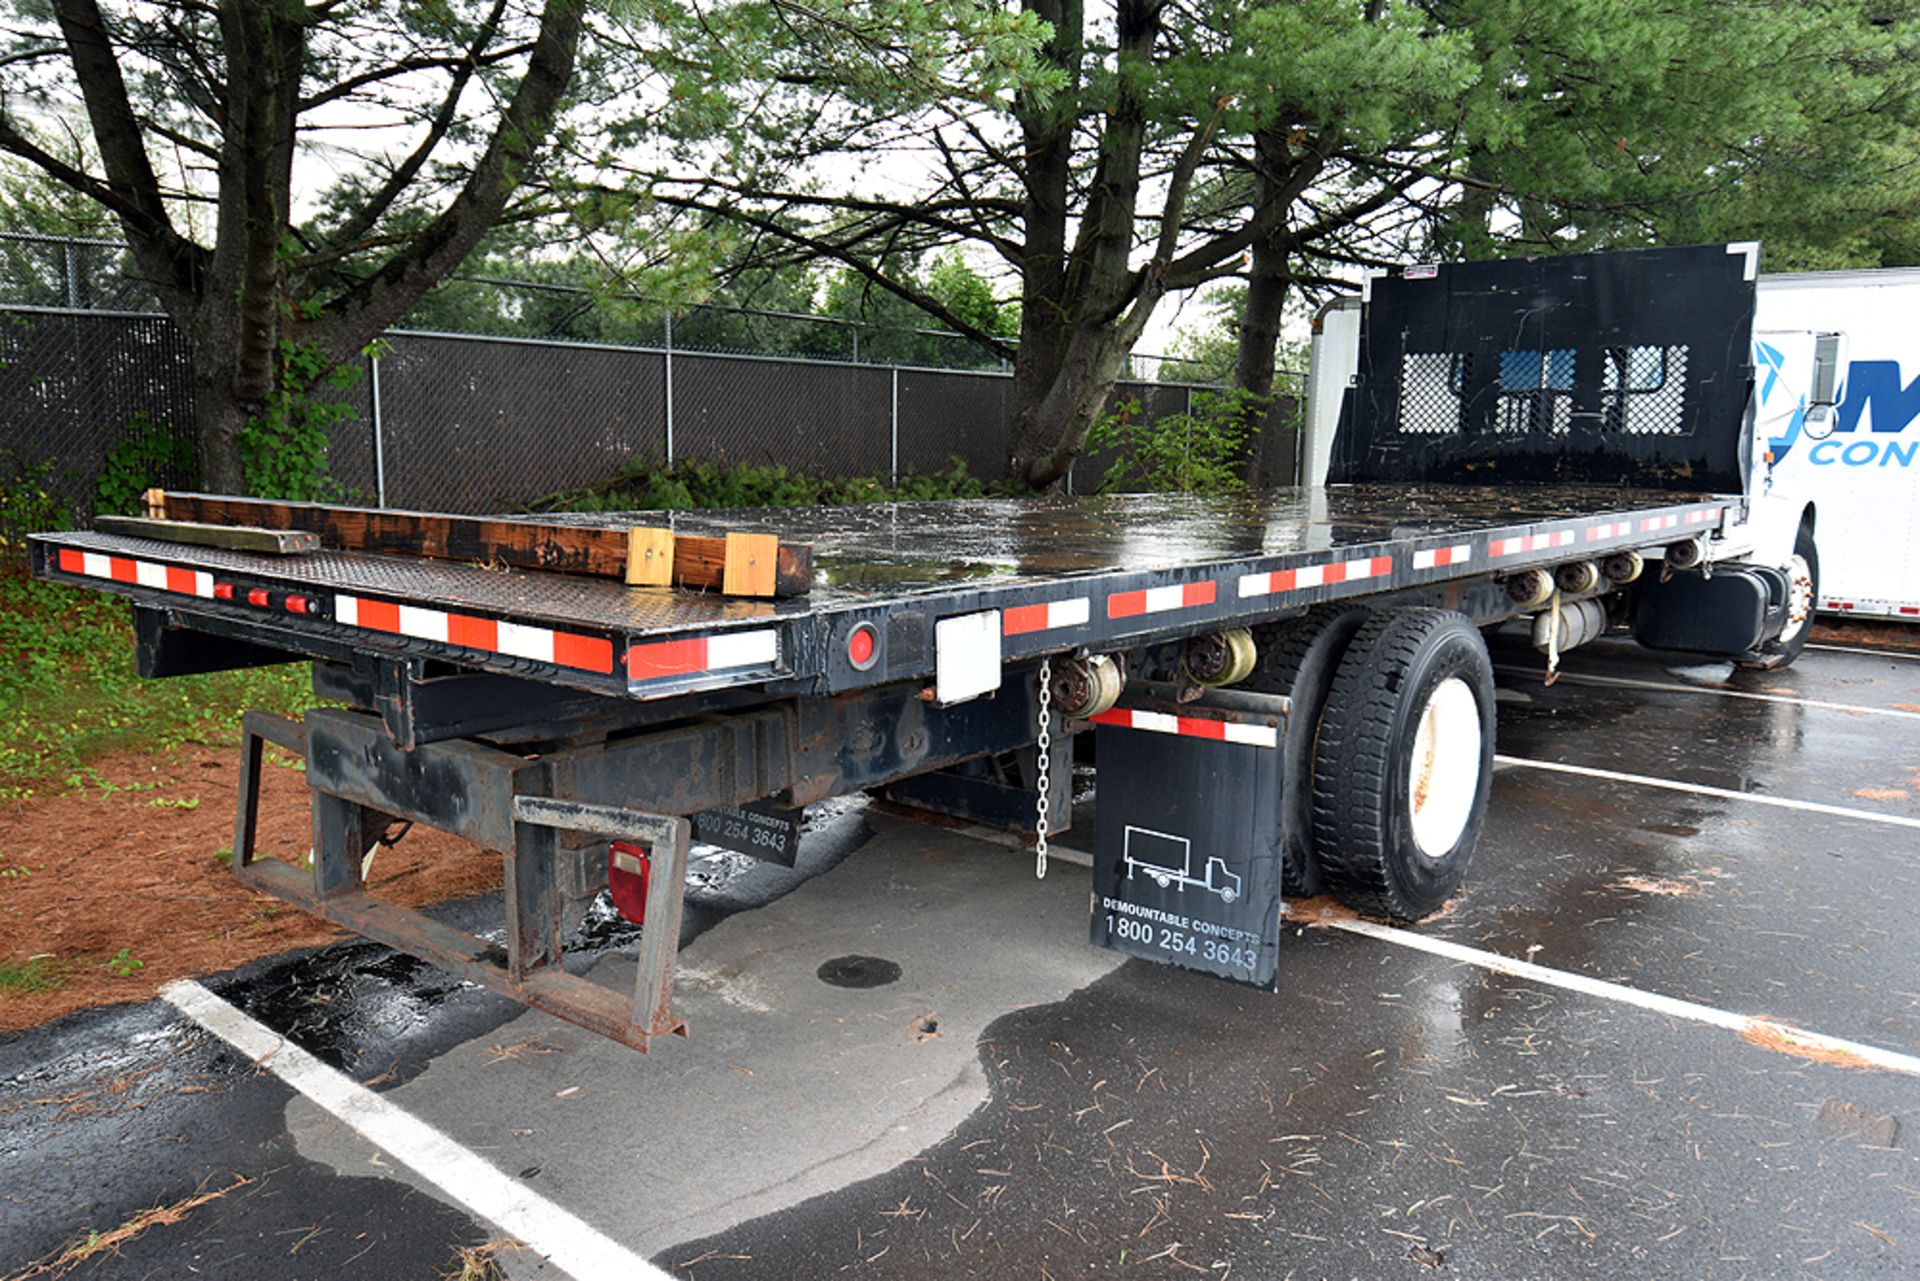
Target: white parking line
<point>1621,682</point>
<point>1911,657</point>
<point>1769,1033</point>
<point>468,1179</point>
<point>1701,789</point>
<point>1784,1036</point>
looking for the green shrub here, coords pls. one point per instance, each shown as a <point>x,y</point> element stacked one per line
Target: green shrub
<point>1200,452</point>
<point>146,452</point>
<point>283,452</point>
<point>697,485</point>
<point>28,505</point>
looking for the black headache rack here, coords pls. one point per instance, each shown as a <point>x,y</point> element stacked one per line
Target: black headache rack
<point>1621,368</point>
<point>543,715</point>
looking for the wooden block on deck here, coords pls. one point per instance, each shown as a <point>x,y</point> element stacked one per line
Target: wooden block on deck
<point>153,504</point>
<point>776,568</point>
<point>649,557</point>
<point>239,538</point>
<point>752,565</point>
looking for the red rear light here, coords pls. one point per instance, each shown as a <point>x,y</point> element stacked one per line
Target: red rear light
<point>223,591</point>
<point>628,868</point>
<point>299,605</point>
<point>258,596</point>
<point>863,644</point>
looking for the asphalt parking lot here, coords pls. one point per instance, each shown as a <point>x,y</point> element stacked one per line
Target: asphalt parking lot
<point>1671,1028</point>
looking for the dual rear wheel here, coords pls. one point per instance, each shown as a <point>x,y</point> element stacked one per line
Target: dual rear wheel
<point>1389,753</point>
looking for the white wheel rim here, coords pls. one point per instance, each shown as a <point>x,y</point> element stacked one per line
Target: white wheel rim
<point>1799,597</point>
<point>1444,775</point>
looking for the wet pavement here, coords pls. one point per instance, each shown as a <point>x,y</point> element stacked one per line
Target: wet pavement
<point>908,1063</point>
<point>111,1114</point>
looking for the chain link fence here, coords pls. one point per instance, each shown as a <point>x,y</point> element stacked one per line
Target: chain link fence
<point>497,393</point>
<point>71,273</point>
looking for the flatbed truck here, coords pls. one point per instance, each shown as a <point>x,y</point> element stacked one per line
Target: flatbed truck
<point>1292,685</point>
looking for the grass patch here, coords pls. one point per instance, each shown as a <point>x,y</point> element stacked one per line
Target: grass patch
<point>35,974</point>
<point>68,692</point>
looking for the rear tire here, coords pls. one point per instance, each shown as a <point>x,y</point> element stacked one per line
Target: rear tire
<point>1803,595</point>
<point>1404,762</point>
<point>1298,658</point>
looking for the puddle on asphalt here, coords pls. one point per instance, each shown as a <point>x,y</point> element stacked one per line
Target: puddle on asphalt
<point>339,999</point>
<point>858,972</point>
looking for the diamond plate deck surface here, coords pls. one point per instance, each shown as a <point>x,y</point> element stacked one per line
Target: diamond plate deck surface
<point>892,551</point>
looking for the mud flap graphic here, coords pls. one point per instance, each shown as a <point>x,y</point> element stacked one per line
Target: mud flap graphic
<point>1168,859</point>
<point>1187,840</point>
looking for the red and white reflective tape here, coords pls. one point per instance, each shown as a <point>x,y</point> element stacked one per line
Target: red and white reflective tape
<point>1435,557</point>
<point>657,660</point>
<point>1290,580</point>
<point>1022,619</point>
<point>1651,523</point>
<point>1891,609</point>
<point>1191,727</point>
<point>488,635</point>
<point>141,573</point>
<point>1703,517</point>
<point>1530,543</point>
<point>1158,600</point>
<point>1609,529</point>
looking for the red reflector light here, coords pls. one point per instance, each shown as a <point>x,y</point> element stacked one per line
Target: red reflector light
<point>258,596</point>
<point>628,867</point>
<point>223,591</point>
<point>298,605</point>
<point>862,644</point>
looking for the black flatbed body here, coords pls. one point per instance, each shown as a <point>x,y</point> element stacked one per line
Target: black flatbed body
<point>1063,573</point>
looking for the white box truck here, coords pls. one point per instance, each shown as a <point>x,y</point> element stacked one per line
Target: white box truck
<point>1836,422</point>
<point>1860,462</point>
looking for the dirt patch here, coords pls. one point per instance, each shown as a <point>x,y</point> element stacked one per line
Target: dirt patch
<point>1773,1036</point>
<point>1319,911</point>
<point>1323,910</point>
<point>1660,885</point>
<point>1880,793</point>
<point>1899,636</point>
<point>122,888</point>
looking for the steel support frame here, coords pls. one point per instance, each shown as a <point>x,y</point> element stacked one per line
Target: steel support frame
<point>639,787</point>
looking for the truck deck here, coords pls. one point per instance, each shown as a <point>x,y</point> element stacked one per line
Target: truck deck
<point>584,693</point>
<point>1063,573</point>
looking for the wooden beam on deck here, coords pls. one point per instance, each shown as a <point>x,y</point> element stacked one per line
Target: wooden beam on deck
<point>238,538</point>
<point>699,563</point>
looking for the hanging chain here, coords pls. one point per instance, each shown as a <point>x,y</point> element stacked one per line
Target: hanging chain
<point>1044,768</point>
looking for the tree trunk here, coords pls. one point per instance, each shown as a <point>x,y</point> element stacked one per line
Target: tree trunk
<point>219,417</point>
<point>1082,307</point>
<point>1047,154</point>
<point>1269,276</point>
<point>1267,282</point>
<point>1050,432</point>
<point>1267,272</point>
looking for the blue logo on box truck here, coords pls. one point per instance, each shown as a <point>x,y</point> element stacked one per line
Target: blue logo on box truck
<point>1874,396</point>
